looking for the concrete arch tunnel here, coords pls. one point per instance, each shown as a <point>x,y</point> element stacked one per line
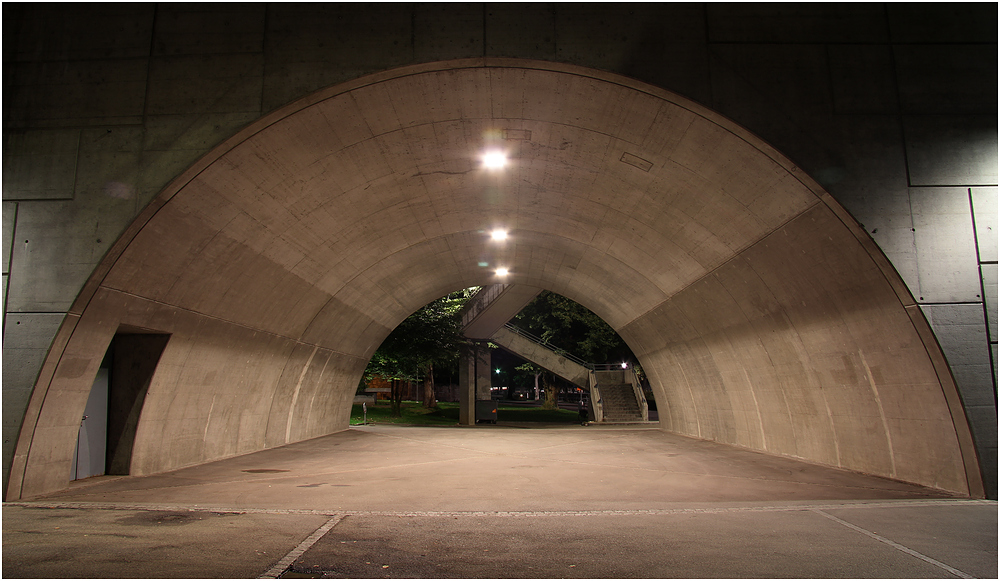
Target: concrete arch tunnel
<point>763,314</point>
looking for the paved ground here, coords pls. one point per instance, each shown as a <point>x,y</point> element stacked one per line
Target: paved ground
<point>500,502</point>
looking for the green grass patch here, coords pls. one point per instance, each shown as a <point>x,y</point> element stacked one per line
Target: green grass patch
<point>532,414</point>
<point>412,413</point>
<point>446,414</point>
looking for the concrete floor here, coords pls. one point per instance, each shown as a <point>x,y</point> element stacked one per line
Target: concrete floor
<point>500,502</point>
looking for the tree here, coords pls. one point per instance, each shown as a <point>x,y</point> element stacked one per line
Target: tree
<point>572,327</point>
<point>429,336</point>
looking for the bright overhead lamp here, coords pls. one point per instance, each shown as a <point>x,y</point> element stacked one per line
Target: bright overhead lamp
<point>502,271</point>
<point>494,159</point>
<point>498,235</point>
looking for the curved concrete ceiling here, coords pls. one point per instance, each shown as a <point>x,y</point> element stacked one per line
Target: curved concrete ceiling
<point>763,315</point>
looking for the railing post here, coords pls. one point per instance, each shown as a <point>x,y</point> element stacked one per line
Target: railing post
<point>639,396</point>
<point>595,398</point>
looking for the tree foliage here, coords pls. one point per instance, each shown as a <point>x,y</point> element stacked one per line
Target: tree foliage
<point>428,337</point>
<point>571,327</point>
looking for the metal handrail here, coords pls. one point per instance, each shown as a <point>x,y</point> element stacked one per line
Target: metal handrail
<point>610,367</point>
<point>549,346</point>
<point>478,302</point>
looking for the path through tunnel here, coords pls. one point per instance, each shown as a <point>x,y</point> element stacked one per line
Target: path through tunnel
<point>280,261</point>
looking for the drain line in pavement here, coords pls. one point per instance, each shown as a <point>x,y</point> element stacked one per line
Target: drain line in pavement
<point>286,561</point>
<point>895,545</point>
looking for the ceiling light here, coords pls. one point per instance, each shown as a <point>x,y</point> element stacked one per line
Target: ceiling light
<point>498,235</point>
<point>502,271</point>
<point>494,159</point>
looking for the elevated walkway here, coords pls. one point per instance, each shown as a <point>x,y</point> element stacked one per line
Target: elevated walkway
<point>570,368</point>
<point>490,308</point>
<point>615,393</point>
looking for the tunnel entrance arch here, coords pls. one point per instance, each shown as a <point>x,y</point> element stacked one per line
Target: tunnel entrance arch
<point>279,261</point>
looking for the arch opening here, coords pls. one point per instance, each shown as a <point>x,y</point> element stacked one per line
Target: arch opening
<point>280,261</point>
<point>534,347</point>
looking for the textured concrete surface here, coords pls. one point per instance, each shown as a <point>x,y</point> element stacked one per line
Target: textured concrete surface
<point>500,502</point>
<point>892,109</point>
<point>270,267</point>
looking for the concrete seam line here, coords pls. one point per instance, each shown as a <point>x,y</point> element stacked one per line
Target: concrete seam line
<point>295,553</point>
<point>504,513</point>
<point>896,545</point>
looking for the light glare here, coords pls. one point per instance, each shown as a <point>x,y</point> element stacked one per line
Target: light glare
<point>502,271</point>
<point>494,160</point>
<point>499,235</point>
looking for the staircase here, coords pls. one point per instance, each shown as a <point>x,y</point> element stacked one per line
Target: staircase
<point>544,355</point>
<point>619,404</point>
<point>618,395</point>
<point>615,394</point>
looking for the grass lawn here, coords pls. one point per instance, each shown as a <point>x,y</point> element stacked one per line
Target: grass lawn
<point>447,414</point>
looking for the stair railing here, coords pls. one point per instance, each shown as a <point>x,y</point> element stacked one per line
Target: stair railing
<point>478,302</point>
<point>596,403</point>
<point>639,396</point>
<point>628,375</point>
<point>549,346</point>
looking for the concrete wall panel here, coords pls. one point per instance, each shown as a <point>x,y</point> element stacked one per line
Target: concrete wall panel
<point>57,247</point>
<point>27,338</point>
<point>847,386</point>
<point>194,28</point>
<point>962,335</point>
<point>78,92</point>
<point>109,168</point>
<point>949,150</point>
<point>984,209</point>
<point>83,32</point>
<point>211,395</point>
<point>530,32</point>
<point>861,79</point>
<point>946,246</point>
<point>224,83</point>
<point>661,43</point>
<point>41,165</point>
<point>859,23</point>
<point>821,88</point>
<point>946,78</point>
<point>941,22</point>
<point>9,213</point>
<point>991,298</point>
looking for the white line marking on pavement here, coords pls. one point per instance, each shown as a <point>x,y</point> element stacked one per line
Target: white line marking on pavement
<point>895,545</point>
<point>295,553</point>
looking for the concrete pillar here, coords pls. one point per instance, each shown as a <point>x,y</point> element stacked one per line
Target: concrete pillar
<point>467,387</point>
<point>474,380</point>
<point>484,372</point>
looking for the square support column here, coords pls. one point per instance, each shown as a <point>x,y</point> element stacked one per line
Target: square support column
<point>474,380</point>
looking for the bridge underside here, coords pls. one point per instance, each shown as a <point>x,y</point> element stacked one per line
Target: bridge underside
<point>763,315</point>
